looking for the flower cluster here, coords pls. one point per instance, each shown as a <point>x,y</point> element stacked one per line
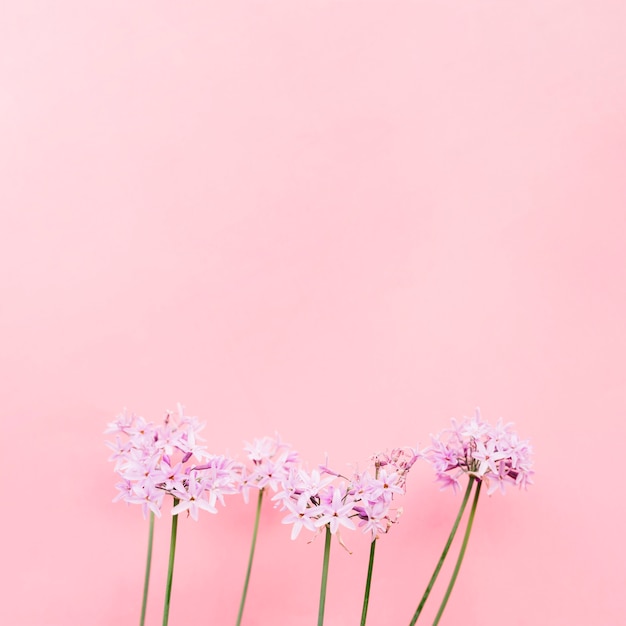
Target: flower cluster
<point>493,454</point>
<point>272,460</point>
<point>323,497</point>
<point>169,459</point>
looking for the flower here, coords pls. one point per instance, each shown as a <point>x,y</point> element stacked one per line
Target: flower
<point>325,497</point>
<point>493,454</point>
<point>300,515</point>
<point>336,510</point>
<point>193,498</point>
<point>156,460</point>
<point>376,493</point>
<point>272,461</point>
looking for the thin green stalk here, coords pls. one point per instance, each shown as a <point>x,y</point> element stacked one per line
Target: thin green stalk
<point>252,548</point>
<point>170,567</point>
<point>320,615</point>
<point>457,567</point>
<point>146,581</point>
<point>444,554</point>
<point>368,583</point>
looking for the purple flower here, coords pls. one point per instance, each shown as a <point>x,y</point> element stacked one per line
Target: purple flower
<point>385,486</point>
<point>300,515</point>
<point>324,497</point>
<point>374,518</point>
<point>272,462</point>
<point>336,511</point>
<point>493,454</point>
<point>194,498</point>
<point>156,460</point>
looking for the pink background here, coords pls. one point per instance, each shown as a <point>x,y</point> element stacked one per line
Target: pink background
<point>347,221</point>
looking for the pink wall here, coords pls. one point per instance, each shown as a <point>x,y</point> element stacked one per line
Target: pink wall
<point>343,220</point>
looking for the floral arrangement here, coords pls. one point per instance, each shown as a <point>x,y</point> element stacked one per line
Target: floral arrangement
<point>156,462</point>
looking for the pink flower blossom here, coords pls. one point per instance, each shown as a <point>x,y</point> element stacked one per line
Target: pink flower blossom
<point>493,454</point>
<point>374,517</point>
<point>300,515</point>
<point>156,460</point>
<point>194,497</point>
<point>385,486</point>
<point>272,461</point>
<point>336,512</point>
<point>324,497</point>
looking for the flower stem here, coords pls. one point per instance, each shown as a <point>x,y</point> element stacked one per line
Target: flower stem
<point>368,583</point>
<point>320,615</point>
<point>457,567</point>
<point>170,567</point>
<point>444,554</point>
<point>252,548</point>
<point>146,581</point>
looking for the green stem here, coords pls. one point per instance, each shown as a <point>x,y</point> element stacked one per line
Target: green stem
<point>320,615</point>
<point>457,567</point>
<point>170,567</point>
<point>444,554</point>
<point>146,581</point>
<point>252,548</point>
<point>366,597</point>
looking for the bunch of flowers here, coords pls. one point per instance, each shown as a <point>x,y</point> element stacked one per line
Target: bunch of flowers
<point>324,497</point>
<point>493,454</point>
<point>157,460</point>
<point>487,454</point>
<point>170,459</point>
